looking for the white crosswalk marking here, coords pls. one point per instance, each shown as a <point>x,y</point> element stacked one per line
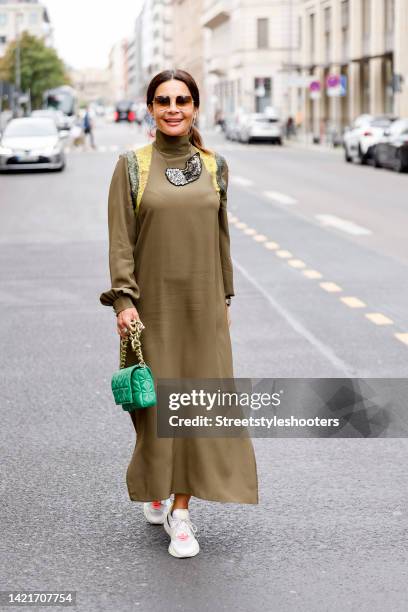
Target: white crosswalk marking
<point>241,181</point>
<point>281,198</point>
<point>343,224</point>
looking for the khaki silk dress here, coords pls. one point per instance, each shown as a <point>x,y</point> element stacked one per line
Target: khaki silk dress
<point>172,261</point>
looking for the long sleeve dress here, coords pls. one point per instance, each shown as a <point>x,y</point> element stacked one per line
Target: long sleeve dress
<point>172,262</point>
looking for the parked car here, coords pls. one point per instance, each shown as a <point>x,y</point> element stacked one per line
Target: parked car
<point>359,140</point>
<point>63,122</point>
<point>231,128</point>
<point>125,111</point>
<point>260,126</point>
<point>31,143</point>
<point>392,150</point>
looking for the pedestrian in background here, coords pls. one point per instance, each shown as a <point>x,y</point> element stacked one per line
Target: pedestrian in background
<point>88,127</point>
<point>171,268</point>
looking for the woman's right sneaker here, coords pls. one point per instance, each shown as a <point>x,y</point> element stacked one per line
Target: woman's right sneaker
<point>155,511</point>
<point>181,531</point>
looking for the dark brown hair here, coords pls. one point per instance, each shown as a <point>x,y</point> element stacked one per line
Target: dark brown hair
<point>180,75</point>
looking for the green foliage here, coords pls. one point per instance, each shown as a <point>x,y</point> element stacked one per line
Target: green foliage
<point>41,68</point>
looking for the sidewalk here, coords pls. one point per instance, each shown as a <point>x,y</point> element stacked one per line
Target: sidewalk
<point>305,143</point>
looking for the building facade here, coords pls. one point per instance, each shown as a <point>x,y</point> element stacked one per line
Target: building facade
<point>188,44</point>
<point>250,47</point>
<point>355,51</point>
<point>91,85</point>
<point>21,16</point>
<point>118,71</point>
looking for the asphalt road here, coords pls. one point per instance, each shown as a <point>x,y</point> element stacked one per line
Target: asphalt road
<point>330,532</point>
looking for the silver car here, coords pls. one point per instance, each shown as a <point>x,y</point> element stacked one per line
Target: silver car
<point>31,143</point>
<point>260,126</point>
<point>63,121</point>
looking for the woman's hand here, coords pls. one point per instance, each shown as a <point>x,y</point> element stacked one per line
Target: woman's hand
<point>123,320</point>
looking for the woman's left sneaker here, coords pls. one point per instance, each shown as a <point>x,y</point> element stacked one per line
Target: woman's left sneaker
<point>181,531</point>
<point>155,511</point>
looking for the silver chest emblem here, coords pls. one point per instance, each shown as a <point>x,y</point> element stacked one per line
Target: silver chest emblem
<point>188,174</point>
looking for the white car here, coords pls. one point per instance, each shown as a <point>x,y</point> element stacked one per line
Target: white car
<point>359,141</point>
<point>31,143</point>
<point>260,126</point>
<point>62,121</point>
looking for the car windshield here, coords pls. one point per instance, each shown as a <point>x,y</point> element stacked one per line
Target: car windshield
<point>264,119</point>
<point>399,127</point>
<point>381,122</point>
<point>44,113</point>
<point>123,106</point>
<point>30,127</point>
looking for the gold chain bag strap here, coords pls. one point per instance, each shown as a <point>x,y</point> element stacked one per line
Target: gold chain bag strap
<point>133,387</point>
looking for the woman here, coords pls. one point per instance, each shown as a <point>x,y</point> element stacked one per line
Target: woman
<point>171,268</point>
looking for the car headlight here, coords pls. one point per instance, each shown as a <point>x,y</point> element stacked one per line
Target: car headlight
<point>54,150</point>
<point>5,151</point>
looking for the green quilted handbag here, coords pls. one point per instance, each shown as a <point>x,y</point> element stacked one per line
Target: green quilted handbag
<point>133,387</point>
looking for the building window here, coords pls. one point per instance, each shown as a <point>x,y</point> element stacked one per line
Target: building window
<point>389,24</point>
<point>327,33</point>
<point>262,33</point>
<point>3,19</point>
<point>33,18</point>
<point>366,6</point>
<point>3,40</point>
<point>312,36</point>
<point>345,32</point>
<point>263,85</point>
<point>299,33</point>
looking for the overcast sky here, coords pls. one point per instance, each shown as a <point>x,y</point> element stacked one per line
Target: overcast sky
<point>84,31</point>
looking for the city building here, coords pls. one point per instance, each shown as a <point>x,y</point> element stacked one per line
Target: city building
<point>188,44</point>
<point>18,16</point>
<point>91,85</point>
<point>118,70</point>
<point>250,47</point>
<point>151,47</point>
<point>355,53</point>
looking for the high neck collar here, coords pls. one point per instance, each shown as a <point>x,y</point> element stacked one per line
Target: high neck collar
<point>172,145</point>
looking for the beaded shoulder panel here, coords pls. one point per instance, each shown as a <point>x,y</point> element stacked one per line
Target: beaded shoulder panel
<point>139,161</point>
<point>215,164</point>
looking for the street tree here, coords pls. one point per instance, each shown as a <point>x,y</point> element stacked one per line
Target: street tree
<point>40,66</point>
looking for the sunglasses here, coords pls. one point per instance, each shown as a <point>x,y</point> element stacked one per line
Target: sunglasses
<point>181,101</point>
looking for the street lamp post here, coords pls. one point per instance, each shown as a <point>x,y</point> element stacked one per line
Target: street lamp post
<point>17,68</point>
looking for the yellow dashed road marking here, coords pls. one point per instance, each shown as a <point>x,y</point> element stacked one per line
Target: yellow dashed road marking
<point>378,318</point>
<point>271,245</point>
<point>312,274</point>
<point>260,238</point>
<point>330,287</point>
<point>297,263</point>
<point>241,225</point>
<point>403,337</point>
<point>250,231</point>
<point>283,254</point>
<point>353,302</point>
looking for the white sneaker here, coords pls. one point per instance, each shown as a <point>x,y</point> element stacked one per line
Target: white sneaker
<point>155,511</point>
<point>181,531</point>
